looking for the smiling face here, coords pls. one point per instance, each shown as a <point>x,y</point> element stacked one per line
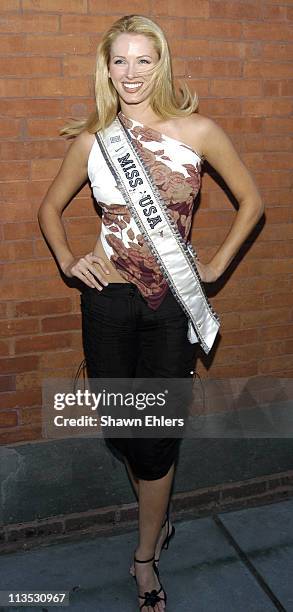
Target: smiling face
<point>132,55</point>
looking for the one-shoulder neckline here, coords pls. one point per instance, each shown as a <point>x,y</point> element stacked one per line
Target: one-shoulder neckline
<point>165,136</point>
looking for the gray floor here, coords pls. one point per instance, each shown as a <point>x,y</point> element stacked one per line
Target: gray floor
<point>240,562</point>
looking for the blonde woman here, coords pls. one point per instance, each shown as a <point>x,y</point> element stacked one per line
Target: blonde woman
<point>136,316</point>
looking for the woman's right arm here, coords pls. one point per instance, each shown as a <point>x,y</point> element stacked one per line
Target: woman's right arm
<point>71,176</point>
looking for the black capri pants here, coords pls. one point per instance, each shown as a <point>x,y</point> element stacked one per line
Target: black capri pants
<point>124,338</point>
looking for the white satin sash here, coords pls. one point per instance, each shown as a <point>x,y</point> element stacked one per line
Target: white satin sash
<point>175,257</point>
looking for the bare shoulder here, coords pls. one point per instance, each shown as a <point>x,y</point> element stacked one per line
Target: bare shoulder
<point>73,171</point>
<point>215,144</point>
<point>86,139</point>
<point>205,133</point>
<point>81,145</point>
<point>218,149</point>
<point>196,120</point>
<point>193,130</point>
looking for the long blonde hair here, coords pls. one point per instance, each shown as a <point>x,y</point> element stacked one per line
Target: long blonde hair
<point>163,99</point>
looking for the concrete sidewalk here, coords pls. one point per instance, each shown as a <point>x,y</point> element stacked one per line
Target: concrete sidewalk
<point>239,561</point>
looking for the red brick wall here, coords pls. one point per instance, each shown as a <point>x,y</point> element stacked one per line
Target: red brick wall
<point>237,55</point>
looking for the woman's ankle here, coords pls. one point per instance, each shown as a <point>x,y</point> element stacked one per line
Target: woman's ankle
<point>144,554</point>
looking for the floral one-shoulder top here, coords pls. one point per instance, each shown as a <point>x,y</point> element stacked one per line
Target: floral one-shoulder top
<point>175,169</point>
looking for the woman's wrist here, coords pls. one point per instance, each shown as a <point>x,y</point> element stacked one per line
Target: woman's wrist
<point>218,266</point>
<point>65,264</point>
<point>220,263</point>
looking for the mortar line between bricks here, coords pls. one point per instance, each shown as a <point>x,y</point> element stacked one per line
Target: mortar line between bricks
<point>246,561</point>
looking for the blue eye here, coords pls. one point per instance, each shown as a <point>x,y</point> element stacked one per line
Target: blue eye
<point>120,61</point>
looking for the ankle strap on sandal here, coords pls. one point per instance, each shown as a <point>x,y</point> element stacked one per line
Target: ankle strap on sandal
<point>145,561</point>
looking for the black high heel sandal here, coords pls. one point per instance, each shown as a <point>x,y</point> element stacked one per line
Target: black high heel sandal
<point>151,598</point>
<point>168,537</point>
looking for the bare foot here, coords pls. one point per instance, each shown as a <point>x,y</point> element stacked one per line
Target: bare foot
<point>166,530</point>
<point>147,581</point>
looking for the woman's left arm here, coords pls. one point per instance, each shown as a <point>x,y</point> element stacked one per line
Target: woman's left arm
<point>221,154</point>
